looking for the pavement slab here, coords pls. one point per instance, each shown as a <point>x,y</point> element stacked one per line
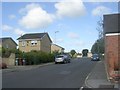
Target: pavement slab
<point>98,78</point>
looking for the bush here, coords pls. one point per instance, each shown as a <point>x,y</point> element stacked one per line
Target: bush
<point>37,57</point>
<point>5,52</point>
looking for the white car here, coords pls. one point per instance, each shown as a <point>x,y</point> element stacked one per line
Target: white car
<point>62,59</point>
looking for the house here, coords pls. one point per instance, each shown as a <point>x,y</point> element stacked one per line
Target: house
<point>8,43</point>
<point>112,50</point>
<point>58,48</point>
<point>35,41</point>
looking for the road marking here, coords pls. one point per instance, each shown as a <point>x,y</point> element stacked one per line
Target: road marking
<point>81,88</point>
<point>87,79</point>
<point>86,84</point>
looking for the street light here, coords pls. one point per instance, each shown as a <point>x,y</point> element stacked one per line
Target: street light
<point>55,35</point>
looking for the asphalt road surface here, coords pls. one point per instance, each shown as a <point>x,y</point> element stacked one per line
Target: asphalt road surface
<point>70,75</point>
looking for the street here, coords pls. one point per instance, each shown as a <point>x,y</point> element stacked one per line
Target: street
<point>70,75</point>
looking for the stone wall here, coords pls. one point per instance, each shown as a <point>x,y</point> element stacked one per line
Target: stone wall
<point>9,61</point>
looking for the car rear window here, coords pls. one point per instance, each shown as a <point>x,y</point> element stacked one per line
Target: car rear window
<point>59,56</point>
<point>95,55</point>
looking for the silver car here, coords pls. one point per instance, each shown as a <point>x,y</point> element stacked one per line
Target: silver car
<point>62,59</point>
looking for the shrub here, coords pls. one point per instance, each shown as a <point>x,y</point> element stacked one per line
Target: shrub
<point>5,52</point>
<point>37,57</point>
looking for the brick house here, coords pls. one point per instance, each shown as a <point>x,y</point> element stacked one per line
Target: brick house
<point>112,49</point>
<point>35,41</point>
<point>8,43</point>
<point>55,47</point>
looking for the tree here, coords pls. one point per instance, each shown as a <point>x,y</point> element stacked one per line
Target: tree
<point>100,28</point>
<point>85,52</point>
<point>72,52</point>
<point>98,46</point>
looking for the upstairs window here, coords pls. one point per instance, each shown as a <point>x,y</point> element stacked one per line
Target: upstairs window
<point>7,46</point>
<point>34,42</point>
<point>23,43</point>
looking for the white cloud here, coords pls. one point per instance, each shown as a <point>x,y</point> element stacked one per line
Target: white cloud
<point>12,16</point>
<point>73,35</point>
<point>36,17</point>
<point>6,28</point>
<point>19,32</point>
<point>100,10</point>
<point>72,8</point>
<point>28,7</point>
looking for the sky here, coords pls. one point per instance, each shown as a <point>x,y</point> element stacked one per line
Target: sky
<point>70,24</point>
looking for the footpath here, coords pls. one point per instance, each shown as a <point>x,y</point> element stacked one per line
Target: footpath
<point>98,78</point>
<point>23,68</point>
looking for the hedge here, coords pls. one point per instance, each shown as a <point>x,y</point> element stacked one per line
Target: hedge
<point>37,57</point>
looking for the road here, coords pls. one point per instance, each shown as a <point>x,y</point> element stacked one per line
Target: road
<point>70,75</point>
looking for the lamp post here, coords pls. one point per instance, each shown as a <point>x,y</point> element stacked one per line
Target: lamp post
<point>55,35</point>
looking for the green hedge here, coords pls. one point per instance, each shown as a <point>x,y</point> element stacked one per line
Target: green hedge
<point>37,57</point>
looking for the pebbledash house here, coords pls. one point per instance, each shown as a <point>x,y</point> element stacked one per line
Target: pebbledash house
<point>112,45</point>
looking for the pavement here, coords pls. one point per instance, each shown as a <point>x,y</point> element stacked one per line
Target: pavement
<point>23,67</point>
<point>98,78</point>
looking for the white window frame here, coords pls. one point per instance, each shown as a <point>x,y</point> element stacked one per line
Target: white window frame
<point>33,42</point>
<point>23,43</point>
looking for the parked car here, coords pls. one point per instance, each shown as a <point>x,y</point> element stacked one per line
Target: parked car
<point>3,65</point>
<point>62,59</point>
<point>95,57</point>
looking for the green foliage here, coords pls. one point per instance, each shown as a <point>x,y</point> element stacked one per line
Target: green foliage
<point>98,46</point>
<point>72,52</point>
<point>0,51</point>
<point>5,52</point>
<point>85,52</point>
<point>37,57</point>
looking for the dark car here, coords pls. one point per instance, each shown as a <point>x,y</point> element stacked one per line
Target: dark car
<point>95,57</point>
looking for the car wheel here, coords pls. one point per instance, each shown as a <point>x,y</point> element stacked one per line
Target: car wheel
<point>64,61</point>
<point>68,61</point>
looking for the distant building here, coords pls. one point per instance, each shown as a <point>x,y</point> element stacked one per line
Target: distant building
<point>57,48</point>
<point>8,43</point>
<point>35,41</point>
<point>89,54</point>
<point>112,43</point>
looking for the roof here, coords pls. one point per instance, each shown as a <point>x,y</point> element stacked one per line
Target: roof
<point>58,46</point>
<point>111,23</point>
<point>7,38</point>
<point>34,36</point>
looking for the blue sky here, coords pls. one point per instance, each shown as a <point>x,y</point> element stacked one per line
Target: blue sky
<point>75,22</point>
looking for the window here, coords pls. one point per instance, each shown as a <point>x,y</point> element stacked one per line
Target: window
<point>34,42</point>
<point>7,46</point>
<point>23,43</point>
